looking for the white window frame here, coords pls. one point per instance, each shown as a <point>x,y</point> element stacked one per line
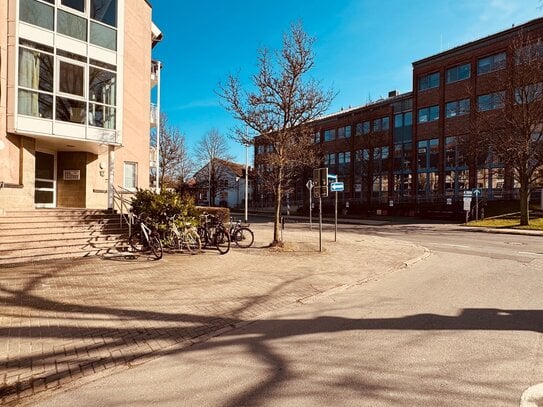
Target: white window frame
<point>85,66</point>
<point>135,164</point>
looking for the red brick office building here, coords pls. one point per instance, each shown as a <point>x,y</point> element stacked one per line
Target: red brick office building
<point>401,154</point>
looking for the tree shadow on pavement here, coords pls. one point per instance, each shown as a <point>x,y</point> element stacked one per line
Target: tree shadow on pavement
<point>91,349</point>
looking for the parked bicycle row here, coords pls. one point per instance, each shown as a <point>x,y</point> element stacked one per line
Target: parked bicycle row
<point>176,234</point>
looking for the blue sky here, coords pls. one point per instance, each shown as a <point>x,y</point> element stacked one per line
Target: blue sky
<point>363,49</point>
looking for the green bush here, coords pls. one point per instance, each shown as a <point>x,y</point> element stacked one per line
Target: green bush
<point>157,209</point>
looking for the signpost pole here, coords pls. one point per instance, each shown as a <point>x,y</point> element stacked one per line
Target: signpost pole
<point>477,207</point>
<point>320,224</point>
<point>335,229</point>
<point>310,210</point>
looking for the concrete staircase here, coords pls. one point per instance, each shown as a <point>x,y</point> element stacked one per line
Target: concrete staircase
<point>48,234</point>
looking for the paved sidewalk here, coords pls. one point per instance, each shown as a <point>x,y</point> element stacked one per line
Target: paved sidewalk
<point>64,321</point>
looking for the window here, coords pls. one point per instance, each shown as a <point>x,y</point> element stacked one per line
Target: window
<point>71,110</point>
<point>429,81</point>
<point>491,63</point>
<point>344,132</point>
<point>316,137</point>
<point>130,175</point>
<point>330,135</point>
<point>35,77</point>
<point>37,13</point>
<point>78,5</point>
<point>381,124</point>
<point>458,73</point>
<point>457,108</point>
<point>104,11</point>
<point>330,159</point>
<point>71,25</point>
<point>428,114</point>
<point>362,128</point>
<point>71,78</point>
<point>529,94</point>
<point>490,101</point>
<point>103,36</point>
<point>529,53</point>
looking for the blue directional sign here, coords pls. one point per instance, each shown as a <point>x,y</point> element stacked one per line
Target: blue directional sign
<point>477,192</point>
<point>337,186</point>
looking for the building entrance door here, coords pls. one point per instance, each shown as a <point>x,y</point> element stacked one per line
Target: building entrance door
<point>45,180</point>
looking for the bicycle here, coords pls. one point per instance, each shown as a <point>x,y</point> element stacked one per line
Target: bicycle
<point>144,239</point>
<point>213,233</point>
<point>240,234</point>
<point>186,238</point>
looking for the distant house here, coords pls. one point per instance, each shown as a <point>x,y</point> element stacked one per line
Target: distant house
<point>222,183</point>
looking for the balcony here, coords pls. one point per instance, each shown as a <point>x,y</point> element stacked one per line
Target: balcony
<point>154,73</point>
<point>153,119</point>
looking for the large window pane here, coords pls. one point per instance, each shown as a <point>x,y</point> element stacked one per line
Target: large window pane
<point>78,5</point>
<point>35,104</point>
<point>72,78</point>
<point>36,13</point>
<point>35,70</point>
<point>70,110</point>
<point>104,11</point>
<point>72,25</point>
<point>101,116</point>
<point>102,86</point>
<point>103,36</point>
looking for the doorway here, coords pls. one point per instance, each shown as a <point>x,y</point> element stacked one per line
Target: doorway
<point>45,180</point>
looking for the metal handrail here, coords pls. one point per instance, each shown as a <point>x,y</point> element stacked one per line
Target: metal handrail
<point>124,205</point>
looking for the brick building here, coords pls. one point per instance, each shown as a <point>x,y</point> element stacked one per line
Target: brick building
<point>75,90</point>
<point>401,154</point>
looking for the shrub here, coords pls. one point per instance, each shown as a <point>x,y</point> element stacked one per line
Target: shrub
<point>157,209</point>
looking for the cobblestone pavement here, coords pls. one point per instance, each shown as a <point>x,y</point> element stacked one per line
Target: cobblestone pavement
<point>63,321</point>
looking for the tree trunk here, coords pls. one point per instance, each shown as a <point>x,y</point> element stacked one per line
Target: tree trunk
<point>277,209</point>
<point>277,217</point>
<point>524,203</point>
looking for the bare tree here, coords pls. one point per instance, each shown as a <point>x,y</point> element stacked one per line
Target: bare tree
<point>175,162</point>
<point>512,134</point>
<point>280,107</point>
<point>212,153</point>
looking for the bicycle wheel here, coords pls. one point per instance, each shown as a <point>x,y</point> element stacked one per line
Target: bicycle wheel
<point>243,237</point>
<point>135,241</point>
<point>171,241</point>
<point>192,242</point>
<point>155,245</point>
<point>222,240</point>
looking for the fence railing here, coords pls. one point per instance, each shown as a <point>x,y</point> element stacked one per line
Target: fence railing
<point>122,203</point>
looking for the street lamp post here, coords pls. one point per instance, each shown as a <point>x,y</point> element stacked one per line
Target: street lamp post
<point>246,182</point>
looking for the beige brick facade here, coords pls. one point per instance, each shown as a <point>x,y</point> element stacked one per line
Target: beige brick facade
<point>76,151</point>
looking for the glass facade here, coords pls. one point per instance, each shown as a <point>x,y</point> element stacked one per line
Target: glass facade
<point>97,25</point>
<point>68,87</point>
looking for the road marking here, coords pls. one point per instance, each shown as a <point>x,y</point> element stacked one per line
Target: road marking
<point>536,254</point>
<point>450,245</point>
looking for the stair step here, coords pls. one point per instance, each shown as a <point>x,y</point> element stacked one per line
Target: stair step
<point>48,234</point>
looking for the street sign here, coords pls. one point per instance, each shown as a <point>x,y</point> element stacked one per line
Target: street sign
<point>468,194</point>
<point>309,185</point>
<point>320,182</point>
<point>337,186</point>
<point>476,192</point>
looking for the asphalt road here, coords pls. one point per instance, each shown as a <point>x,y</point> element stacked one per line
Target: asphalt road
<point>462,327</point>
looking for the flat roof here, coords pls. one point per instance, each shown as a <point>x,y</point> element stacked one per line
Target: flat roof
<point>489,39</point>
